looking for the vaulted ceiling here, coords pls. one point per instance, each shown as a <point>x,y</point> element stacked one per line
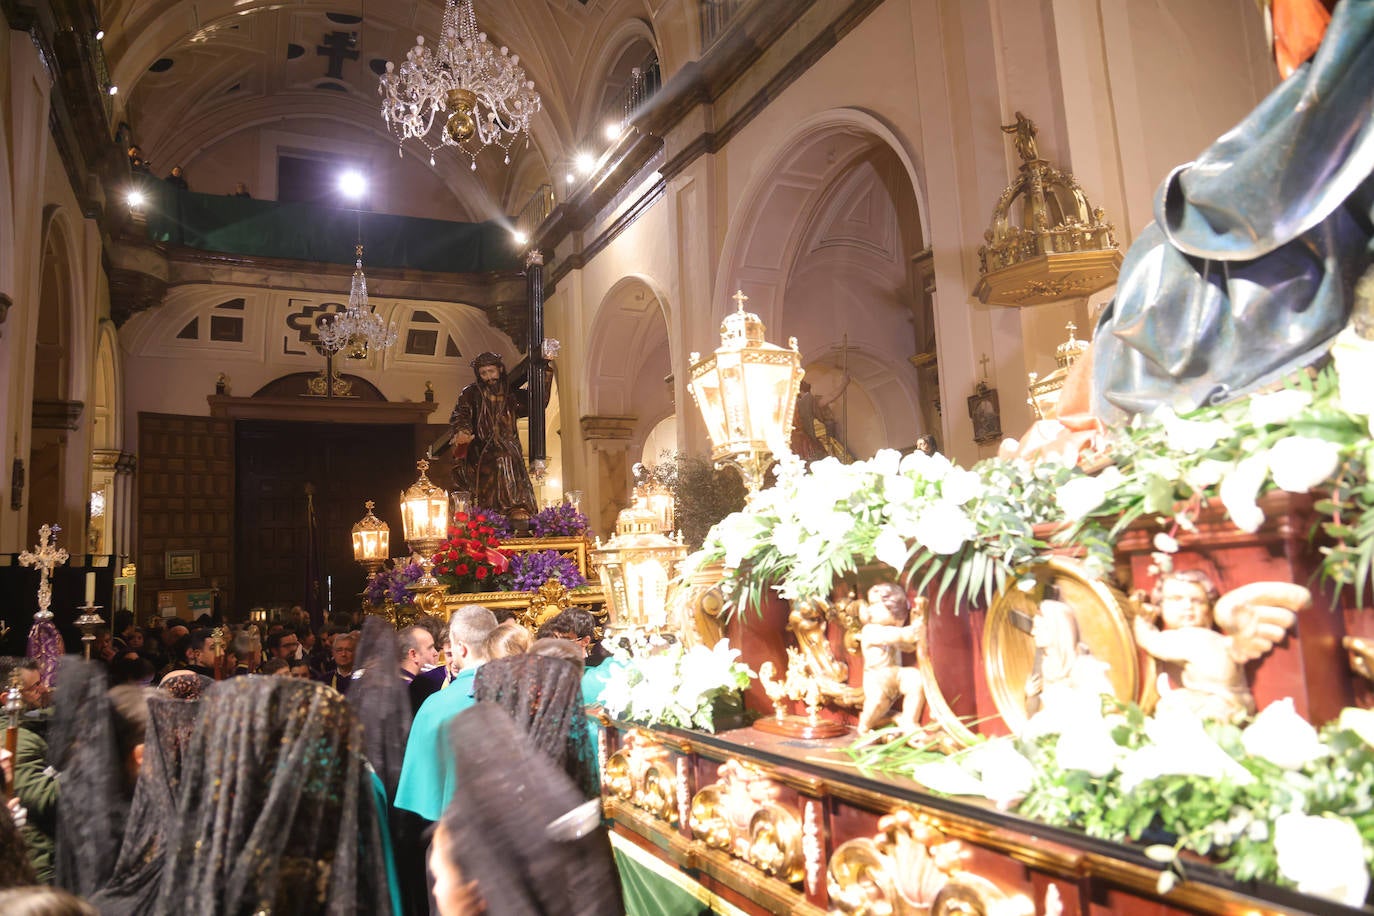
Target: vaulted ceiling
<point>194,75</point>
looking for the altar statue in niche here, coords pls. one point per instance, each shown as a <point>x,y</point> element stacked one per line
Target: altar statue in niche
<point>1064,669</point>
<point>885,635</point>
<point>1206,640</point>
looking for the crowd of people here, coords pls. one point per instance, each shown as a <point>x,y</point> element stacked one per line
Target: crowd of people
<point>447,768</point>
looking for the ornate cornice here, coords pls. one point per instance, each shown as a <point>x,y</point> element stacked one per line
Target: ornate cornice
<point>57,414</point>
<point>621,428</point>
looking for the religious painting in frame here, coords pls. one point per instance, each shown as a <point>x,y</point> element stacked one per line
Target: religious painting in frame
<point>983,409</point>
<point>182,564</point>
<point>1023,659</point>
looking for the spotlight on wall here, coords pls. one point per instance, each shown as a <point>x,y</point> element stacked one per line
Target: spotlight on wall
<point>520,237</point>
<point>135,199</point>
<point>352,184</point>
<point>570,178</point>
<point>612,131</point>
<point>585,163</point>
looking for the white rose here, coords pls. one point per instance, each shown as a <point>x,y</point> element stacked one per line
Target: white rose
<point>1165,543</point>
<point>1240,488</point>
<point>1279,407</point>
<point>1189,436</point>
<point>1088,745</point>
<point>943,528</point>
<point>1324,856</point>
<point>1359,721</point>
<point>1354,358</point>
<point>1080,496</point>
<point>960,486</point>
<point>886,461</point>
<point>891,548</point>
<point>1005,774</point>
<point>1179,747</point>
<point>1281,736</point>
<point>1300,463</point>
<point>1206,473</point>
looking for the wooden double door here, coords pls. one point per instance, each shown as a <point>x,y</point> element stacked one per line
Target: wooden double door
<point>282,470</point>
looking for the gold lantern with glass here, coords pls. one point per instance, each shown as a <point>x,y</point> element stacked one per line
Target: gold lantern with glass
<point>636,566</point>
<point>424,519</point>
<point>747,394</point>
<point>371,542</point>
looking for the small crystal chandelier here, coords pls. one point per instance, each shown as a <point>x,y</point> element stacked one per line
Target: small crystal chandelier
<point>482,90</point>
<point>357,327</point>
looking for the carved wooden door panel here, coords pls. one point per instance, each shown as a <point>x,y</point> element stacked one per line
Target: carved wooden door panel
<point>278,562</point>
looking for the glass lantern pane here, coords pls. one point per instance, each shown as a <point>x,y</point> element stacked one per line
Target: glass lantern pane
<point>768,385</point>
<point>646,582</point>
<point>707,389</point>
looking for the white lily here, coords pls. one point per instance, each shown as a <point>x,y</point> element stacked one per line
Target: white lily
<point>1278,407</point>
<point>1179,747</point>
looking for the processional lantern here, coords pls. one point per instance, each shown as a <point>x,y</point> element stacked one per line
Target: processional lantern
<point>747,394</point>
<point>371,542</point>
<point>424,521</point>
<point>636,566</point>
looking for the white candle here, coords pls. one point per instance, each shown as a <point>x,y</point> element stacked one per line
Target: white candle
<point>90,589</point>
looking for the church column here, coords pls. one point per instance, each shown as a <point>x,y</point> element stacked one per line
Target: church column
<point>538,384</point>
<point>608,469</point>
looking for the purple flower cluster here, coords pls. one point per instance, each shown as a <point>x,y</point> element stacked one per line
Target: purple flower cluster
<point>391,584</point>
<point>498,522</point>
<point>562,521</point>
<point>533,568</point>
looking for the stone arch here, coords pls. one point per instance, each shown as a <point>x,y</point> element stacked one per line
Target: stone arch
<point>111,508</point>
<point>626,394</point>
<point>620,50</point>
<point>825,240</point>
<point>56,467</point>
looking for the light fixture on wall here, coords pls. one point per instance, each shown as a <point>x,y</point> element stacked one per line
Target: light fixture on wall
<point>477,93</point>
<point>371,542</point>
<point>747,394</point>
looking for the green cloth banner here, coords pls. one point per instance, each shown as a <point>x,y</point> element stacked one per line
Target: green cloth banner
<point>306,232</point>
<point>652,887</point>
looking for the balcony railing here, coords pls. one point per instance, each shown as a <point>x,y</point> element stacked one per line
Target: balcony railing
<point>535,210</point>
<point>645,80</point>
<point>307,232</point>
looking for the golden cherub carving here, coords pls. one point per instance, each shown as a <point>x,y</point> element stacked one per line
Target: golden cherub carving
<point>1210,663</point>
<point>885,635</point>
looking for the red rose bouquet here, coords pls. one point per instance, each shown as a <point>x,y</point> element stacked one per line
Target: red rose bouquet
<point>471,559</point>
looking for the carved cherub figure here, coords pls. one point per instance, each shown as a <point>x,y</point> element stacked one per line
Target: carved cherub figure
<point>885,635</point>
<point>1210,664</point>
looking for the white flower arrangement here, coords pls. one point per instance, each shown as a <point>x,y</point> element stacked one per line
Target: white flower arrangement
<point>670,685</point>
<point>1276,801</point>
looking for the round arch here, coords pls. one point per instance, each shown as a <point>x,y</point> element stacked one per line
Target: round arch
<point>626,35</point>
<point>822,240</point>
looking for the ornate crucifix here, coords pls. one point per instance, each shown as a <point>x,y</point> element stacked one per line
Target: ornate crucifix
<point>46,556</point>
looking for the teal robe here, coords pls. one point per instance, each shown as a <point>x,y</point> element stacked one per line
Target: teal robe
<point>428,776</point>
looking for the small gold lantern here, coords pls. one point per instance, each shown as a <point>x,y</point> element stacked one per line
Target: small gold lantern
<point>747,394</point>
<point>636,567</point>
<point>424,519</point>
<point>371,542</point>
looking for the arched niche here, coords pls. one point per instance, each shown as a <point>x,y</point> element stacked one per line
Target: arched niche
<point>628,391</point>
<point>56,471</point>
<point>828,243</point>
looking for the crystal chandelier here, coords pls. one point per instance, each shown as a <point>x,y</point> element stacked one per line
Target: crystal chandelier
<point>481,89</point>
<point>357,327</point>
